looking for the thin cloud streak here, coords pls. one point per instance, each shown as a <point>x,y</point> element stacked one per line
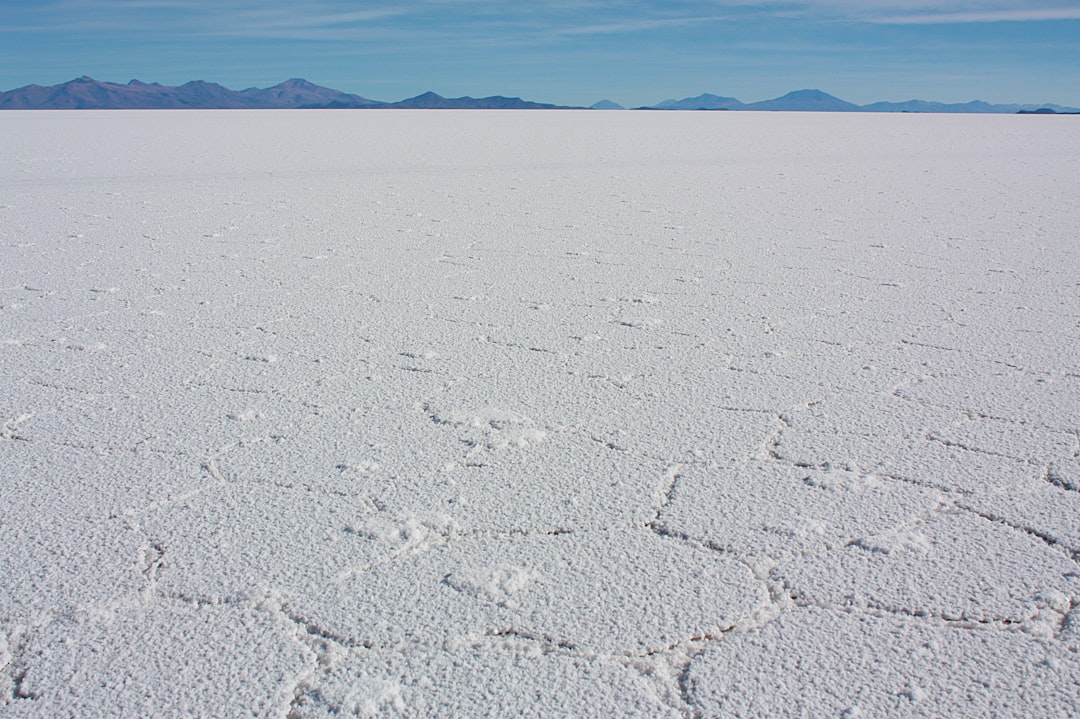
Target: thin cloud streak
<point>273,23</point>
<point>640,25</point>
<point>275,19</point>
<point>981,17</point>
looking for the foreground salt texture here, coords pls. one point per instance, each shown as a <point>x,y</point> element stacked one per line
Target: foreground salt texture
<point>487,414</point>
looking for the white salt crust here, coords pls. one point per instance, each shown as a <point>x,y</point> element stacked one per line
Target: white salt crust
<point>436,413</point>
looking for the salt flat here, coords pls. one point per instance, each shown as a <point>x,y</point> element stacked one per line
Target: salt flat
<point>423,413</point>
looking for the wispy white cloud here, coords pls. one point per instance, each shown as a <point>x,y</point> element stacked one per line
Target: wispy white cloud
<point>339,18</point>
<point>186,18</point>
<point>927,12</point>
<point>922,12</point>
<point>290,20</point>
<point>639,25</point>
<point>981,16</point>
<point>490,22</point>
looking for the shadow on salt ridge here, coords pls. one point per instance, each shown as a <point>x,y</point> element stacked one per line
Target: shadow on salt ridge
<point>668,417</point>
<point>1065,473</point>
<point>367,452</point>
<point>62,483</point>
<point>471,681</point>
<point>525,460</point>
<point>623,591</point>
<point>781,512</point>
<point>487,468</point>
<point>887,435</point>
<point>91,363</point>
<point>491,429</point>
<point>1045,401</point>
<point>250,541</point>
<point>878,415</point>
<point>989,349</point>
<point>1035,506</point>
<point>68,519</point>
<point>1013,440</point>
<point>881,667</point>
<point>63,563</point>
<point>562,483</point>
<point>721,417</point>
<point>951,565</point>
<point>179,420</point>
<point>851,367</point>
<point>151,661</point>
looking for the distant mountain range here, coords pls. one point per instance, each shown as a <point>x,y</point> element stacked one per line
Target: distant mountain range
<point>90,94</point>
<point>431,101</point>
<point>86,93</point>
<point>818,101</point>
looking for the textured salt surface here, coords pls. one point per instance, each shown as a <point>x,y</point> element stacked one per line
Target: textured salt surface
<point>312,414</point>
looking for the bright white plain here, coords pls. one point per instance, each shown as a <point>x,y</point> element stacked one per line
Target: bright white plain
<point>311,414</point>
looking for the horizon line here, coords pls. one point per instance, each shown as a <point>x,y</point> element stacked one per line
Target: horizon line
<point>655,106</point>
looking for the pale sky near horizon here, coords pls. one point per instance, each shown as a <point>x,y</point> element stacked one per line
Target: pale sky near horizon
<point>636,52</point>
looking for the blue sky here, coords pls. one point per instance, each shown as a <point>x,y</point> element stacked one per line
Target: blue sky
<point>634,52</point>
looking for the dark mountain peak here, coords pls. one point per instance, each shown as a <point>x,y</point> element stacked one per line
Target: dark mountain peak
<point>202,87</point>
<point>710,97</point>
<point>704,101</point>
<point>606,105</point>
<point>813,94</point>
<point>433,101</point>
<point>298,83</point>
<point>298,92</point>
<point>806,100</point>
<point>429,100</point>
<point>199,93</point>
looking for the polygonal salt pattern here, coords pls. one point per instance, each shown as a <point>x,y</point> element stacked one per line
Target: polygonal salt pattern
<point>480,681</point>
<point>622,591</point>
<point>955,566</point>
<point>782,512</point>
<point>161,660</point>
<point>881,667</point>
<point>427,414</point>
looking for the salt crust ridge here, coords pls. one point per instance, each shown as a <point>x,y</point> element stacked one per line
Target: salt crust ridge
<point>763,416</point>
